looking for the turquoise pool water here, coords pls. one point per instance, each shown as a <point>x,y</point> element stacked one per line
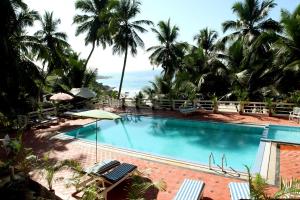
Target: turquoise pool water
<point>288,134</point>
<point>179,139</point>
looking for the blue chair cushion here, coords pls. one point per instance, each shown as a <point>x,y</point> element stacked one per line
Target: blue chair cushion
<point>103,167</point>
<point>119,172</point>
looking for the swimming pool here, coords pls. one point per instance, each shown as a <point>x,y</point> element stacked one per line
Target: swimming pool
<point>288,134</point>
<point>184,140</point>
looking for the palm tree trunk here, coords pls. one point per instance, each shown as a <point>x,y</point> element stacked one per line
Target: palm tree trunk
<point>40,87</point>
<point>123,71</point>
<point>88,58</point>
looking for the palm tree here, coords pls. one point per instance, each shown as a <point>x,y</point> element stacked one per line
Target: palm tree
<point>94,22</point>
<point>78,75</point>
<point>169,52</point>
<point>22,41</point>
<point>287,51</point>
<point>126,31</point>
<point>252,19</point>
<point>54,46</point>
<point>206,39</point>
<point>54,42</point>
<point>18,73</point>
<point>289,43</point>
<point>162,86</point>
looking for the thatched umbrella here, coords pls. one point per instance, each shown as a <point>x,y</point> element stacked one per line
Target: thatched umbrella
<point>61,97</point>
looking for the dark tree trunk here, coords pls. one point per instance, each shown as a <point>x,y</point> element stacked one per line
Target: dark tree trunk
<point>88,58</point>
<point>123,71</point>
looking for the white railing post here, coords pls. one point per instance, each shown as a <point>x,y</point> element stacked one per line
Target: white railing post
<point>173,104</point>
<point>280,109</point>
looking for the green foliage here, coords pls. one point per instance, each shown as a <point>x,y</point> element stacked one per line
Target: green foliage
<point>141,184</point>
<point>4,122</point>
<point>252,19</point>
<point>125,31</point>
<point>51,167</point>
<point>169,53</point>
<point>94,21</point>
<point>270,105</point>
<point>259,59</point>
<point>90,193</point>
<point>17,156</point>
<point>257,186</point>
<point>289,189</point>
<point>295,97</point>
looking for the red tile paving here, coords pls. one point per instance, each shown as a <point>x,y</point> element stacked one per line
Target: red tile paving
<point>227,117</point>
<point>290,162</point>
<point>216,186</point>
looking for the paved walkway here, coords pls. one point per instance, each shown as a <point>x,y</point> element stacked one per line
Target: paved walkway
<point>216,186</point>
<point>289,162</point>
<point>225,117</point>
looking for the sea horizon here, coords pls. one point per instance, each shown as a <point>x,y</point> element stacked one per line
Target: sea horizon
<point>134,81</point>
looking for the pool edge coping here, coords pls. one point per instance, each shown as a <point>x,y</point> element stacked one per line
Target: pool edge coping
<point>159,159</point>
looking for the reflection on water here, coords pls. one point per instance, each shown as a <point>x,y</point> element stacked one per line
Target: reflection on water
<point>180,139</point>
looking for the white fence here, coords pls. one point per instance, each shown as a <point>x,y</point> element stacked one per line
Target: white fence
<point>277,108</point>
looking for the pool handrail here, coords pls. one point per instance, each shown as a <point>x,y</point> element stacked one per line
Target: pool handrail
<point>211,156</point>
<point>224,159</point>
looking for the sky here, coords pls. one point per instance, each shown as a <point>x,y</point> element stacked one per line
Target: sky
<point>189,15</point>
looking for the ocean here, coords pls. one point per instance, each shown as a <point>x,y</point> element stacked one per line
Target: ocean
<point>134,81</point>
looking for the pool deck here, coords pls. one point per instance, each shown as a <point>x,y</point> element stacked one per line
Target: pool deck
<point>216,186</point>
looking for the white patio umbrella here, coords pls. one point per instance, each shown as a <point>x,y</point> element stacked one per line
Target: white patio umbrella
<point>83,92</point>
<point>98,115</point>
<point>61,97</point>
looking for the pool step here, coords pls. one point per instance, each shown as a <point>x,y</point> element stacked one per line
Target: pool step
<point>265,132</point>
<point>267,170</point>
<point>265,163</point>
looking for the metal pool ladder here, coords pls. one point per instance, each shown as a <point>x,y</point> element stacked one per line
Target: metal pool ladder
<point>211,158</point>
<point>223,164</point>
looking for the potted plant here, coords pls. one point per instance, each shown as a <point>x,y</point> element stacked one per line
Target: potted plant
<point>215,103</point>
<point>123,106</point>
<point>270,106</point>
<point>138,99</point>
<point>243,99</point>
<point>150,93</point>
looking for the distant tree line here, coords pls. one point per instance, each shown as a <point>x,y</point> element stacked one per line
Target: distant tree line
<point>258,59</point>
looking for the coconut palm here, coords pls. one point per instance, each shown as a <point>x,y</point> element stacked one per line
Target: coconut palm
<point>18,74</point>
<point>281,52</point>
<point>126,31</point>
<point>22,41</point>
<point>252,19</point>
<point>94,22</point>
<point>54,41</point>
<point>287,51</point>
<point>206,39</point>
<point>162,86</point>
<point>169,53</point>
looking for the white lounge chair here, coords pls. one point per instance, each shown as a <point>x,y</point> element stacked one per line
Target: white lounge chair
<point>295,114</point>
<point>190,190</point>
<point>188,110</point>
<point>112,174</point>
<point>239,191</point>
